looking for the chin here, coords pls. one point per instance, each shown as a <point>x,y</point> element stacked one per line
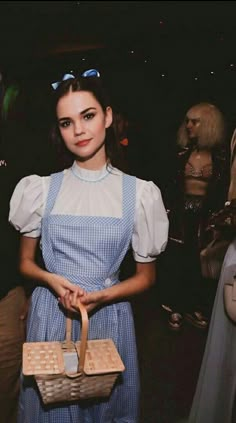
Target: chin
<point>85,156</point>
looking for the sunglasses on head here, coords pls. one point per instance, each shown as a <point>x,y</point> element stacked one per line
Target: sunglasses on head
<point>86,74</point>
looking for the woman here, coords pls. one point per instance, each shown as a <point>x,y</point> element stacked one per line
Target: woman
<point>197,189</point>
<point>87,217</point>
<point>214,399</point>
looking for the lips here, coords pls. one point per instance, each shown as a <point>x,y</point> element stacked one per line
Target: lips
<point>82,143</point>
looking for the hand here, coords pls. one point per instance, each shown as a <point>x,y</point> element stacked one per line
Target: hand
<point>90,300</point>
<point>65,290</point>
<point>25,309</point>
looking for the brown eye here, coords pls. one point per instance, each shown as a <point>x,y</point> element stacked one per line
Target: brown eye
<point>64,124</point>
<point>89,116</point>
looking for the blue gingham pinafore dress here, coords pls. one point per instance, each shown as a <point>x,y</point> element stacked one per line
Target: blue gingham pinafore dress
<point>88,251</point>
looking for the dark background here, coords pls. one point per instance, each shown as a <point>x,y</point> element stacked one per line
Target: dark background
<point>158,58</point>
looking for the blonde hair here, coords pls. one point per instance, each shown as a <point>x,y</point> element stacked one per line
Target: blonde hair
<point>232,185</point>
<point>211,131</point>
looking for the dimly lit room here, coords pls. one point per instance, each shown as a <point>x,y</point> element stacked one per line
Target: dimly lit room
<point>163,63</point>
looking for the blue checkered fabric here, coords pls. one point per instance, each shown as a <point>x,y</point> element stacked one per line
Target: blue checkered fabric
<point>88,251</point>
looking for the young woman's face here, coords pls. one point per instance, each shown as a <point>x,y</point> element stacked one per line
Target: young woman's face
<point>193,122</point>
<point>82,123</point>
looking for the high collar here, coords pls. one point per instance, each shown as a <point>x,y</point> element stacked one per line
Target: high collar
<point>88,175</point>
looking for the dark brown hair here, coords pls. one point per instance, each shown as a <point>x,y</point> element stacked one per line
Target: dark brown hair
<point>95,86</point>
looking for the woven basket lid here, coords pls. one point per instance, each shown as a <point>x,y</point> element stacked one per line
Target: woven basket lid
<point>101,357</point>
<point>42,358</point>
<point>46,358</point>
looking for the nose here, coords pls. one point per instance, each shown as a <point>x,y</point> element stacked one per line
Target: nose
<point>78,128</point>
<point>189,124</point>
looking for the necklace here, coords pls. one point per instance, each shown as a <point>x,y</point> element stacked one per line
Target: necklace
<point>87,179</point>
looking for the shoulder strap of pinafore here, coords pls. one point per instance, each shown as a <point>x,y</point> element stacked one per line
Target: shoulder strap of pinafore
<point>129,197</point>
<point>54,187</point>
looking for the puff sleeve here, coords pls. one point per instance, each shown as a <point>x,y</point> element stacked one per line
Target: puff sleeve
<point>151,223</point>
<point>27,206</point>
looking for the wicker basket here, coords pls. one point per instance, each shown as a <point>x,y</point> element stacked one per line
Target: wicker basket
<point>97,362</point>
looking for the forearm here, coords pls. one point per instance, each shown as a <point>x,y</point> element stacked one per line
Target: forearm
<point>28,266</point>
<point>130,287</point>
<point>61,286</point>
<point>30,270</point>
<point>143,279</point>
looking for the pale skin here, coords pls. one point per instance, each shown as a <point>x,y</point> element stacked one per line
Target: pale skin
<point>198,159</point>
<point>82,123</point>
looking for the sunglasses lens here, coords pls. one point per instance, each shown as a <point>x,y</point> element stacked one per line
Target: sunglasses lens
<point>85,74</point>
<point>90,72</point>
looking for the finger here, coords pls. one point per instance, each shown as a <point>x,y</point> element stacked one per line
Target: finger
<point>23,316</point>
<point>73,299</point>
<point>78,291</point>
<point>85,299</point>
<point>61,301</point>
<point>82,292</point>
<point>75,308</point>
<point>67,301</point>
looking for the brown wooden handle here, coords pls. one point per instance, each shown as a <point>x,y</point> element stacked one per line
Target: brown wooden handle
<point>83,335</point>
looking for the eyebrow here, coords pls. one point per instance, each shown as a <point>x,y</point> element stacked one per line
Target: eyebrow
<point>81,113</point>
<point>196,119</point>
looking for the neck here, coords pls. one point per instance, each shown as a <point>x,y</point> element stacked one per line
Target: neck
<point>94,162</point>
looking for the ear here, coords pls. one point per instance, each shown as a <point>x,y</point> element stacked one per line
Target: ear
<point>108,117</point>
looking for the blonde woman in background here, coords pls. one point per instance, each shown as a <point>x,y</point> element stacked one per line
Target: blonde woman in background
<point>197,189</point>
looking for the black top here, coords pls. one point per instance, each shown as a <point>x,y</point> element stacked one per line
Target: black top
<point>214,199</point>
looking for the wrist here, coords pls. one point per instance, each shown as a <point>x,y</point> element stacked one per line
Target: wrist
<point>48,279</point>
<point>108,295</point>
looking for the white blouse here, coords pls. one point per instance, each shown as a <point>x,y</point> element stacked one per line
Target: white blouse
<point>93,193</point>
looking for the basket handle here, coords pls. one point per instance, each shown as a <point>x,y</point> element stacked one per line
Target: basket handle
<point>84,333</point>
